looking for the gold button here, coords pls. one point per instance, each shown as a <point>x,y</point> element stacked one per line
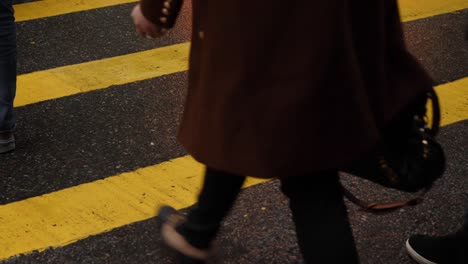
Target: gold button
<point>163,20</point>
<point>165,11</point>
<point>167,4</point>
<point>201,34</point>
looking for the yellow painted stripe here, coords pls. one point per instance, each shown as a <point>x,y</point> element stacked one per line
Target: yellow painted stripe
<point>410,9</point>
<point>453,99</point>
<point>69,80</point>
<point>417,9</point>
<point>47,8</point>
<point>73,79</point>
<point>63,217</point>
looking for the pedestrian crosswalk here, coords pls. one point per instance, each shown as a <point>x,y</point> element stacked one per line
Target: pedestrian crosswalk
<point>62,217</point>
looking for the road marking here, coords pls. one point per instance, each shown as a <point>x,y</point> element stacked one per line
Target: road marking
<point>48,8</point>
<point>66,216</point>
<point>417,9</point>
<point>84,77</point>
<point>409,9</point>
<point>453,99</point>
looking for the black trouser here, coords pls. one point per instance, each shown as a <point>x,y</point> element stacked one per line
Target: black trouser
<point>316,201</point>
<point>7,66</point>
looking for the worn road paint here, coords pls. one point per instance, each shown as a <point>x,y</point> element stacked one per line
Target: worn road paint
<point>73,79</point>
<point>453,99</point>
<point>84,77</point>
<point>66,216</point>
<point>63,217</point>
<point>48,8</point>
<point>417,9</point>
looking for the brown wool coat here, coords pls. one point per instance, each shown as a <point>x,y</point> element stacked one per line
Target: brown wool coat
<point>283,87</point>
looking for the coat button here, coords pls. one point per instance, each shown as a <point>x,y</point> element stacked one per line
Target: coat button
<point>163,20</point>
<point>201,34</point>
<point>167,4</point>
<point>165,11</point>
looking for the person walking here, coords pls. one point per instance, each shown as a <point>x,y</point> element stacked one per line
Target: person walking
<point>287,89</point>
<point>7,75</point>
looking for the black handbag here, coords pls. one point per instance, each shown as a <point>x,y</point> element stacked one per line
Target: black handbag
<point>407,158</point>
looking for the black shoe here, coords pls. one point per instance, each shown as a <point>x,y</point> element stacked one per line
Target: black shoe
<point>7,142</point>
<point>187,253</point>
<point>450,249</point>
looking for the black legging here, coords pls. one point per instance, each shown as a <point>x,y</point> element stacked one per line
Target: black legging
<point>316,201</point>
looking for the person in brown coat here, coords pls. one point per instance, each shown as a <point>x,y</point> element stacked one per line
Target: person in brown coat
<point>287,89</point>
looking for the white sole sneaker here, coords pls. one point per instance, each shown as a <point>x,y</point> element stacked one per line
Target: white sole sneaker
<point>177,242</point>
<point>413,254</point>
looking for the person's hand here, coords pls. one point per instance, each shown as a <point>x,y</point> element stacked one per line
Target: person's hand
<point>144,27</point>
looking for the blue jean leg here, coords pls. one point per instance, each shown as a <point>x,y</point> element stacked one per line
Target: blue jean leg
<point>7,66</point>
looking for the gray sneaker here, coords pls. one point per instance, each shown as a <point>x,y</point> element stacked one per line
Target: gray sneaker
<point>7,142</point>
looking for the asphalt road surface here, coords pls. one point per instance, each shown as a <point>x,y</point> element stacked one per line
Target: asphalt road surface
<point>65,141</point>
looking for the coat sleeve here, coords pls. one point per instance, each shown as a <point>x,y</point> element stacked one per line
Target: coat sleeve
<point>161,12</point>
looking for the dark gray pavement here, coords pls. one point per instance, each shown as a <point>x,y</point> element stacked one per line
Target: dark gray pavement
<point>86,137</point>
<point>440,45</point>
<point>86,36</point>
<point>253,235</point>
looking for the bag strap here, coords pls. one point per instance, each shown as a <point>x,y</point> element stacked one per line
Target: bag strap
<point>376,207</point>
<point>432,96</point>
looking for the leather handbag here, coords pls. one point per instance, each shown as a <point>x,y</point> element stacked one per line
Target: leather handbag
<point>407,158</point>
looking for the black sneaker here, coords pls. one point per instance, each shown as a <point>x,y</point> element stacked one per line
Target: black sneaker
<point>7,142</point>
<point>450,249</point>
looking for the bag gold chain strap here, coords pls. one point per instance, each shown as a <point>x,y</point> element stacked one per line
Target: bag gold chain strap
<point>391,175</point>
